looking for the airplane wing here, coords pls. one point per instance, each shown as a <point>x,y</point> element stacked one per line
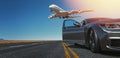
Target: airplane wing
<point>68,17</point>
<point>74,16</point>
<point>78,11</point>
<point>82,11</point>
<point>52,16</point>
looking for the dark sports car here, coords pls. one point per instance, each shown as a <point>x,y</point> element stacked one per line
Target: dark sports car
<point>96,33</point>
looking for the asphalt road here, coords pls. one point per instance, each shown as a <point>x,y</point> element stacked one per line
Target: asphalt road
<point>33,50</point>
<point>84,52</point>
<point>51,49</point>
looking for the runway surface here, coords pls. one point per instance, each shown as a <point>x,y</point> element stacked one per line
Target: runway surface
<point>51,49</point>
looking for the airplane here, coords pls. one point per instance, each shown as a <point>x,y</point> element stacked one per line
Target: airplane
<point>59,12</point>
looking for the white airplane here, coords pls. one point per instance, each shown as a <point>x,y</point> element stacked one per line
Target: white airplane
<point>59,12</point>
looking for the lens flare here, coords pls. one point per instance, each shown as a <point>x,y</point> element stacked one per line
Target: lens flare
<point>102,8</point>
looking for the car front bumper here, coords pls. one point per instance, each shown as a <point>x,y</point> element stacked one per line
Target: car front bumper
<point>111,40</point>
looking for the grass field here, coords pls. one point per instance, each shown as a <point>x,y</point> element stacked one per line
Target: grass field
<point>19,41</point>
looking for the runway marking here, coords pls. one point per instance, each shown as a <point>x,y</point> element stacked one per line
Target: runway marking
<point>73,53</point>
<point>66,51</point>
<point>34,43</point>
<point>16,46</point>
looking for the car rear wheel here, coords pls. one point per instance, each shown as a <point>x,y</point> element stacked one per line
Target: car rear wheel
<point>93,42</point>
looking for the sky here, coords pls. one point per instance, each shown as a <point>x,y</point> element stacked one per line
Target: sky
<point>28,19</point>
<point>102,8</point>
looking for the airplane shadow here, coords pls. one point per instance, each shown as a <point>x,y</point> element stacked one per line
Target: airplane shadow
<point>109,53</point>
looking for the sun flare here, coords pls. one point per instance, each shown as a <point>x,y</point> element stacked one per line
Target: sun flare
<point>102,8</point>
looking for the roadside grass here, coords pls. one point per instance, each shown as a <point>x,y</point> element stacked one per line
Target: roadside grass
<point>19,41</point>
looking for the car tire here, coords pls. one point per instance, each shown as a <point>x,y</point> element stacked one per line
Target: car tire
<point>94,44</point>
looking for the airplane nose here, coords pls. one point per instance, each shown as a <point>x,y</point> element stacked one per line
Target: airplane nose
<point>50,6</point>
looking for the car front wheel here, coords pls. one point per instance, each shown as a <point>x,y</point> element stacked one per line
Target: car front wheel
<point>93,42</point>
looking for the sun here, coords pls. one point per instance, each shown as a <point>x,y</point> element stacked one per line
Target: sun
<point>102,8</point>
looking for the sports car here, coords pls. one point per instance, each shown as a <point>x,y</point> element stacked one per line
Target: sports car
<point>98,34</point>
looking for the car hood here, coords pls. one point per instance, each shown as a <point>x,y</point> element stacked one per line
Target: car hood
<point>108,21</point>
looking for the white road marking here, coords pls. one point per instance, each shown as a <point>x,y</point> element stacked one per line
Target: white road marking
<point>4,48</point>
<point>34,43</point>
<point>16,46</point>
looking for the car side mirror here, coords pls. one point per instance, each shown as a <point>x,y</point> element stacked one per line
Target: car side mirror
<point>76,24</point>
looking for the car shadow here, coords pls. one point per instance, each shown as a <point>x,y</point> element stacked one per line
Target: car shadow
<point>78,46</point>
<point>109,53</point>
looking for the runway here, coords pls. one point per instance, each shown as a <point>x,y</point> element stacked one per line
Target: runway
<point>50,49</point>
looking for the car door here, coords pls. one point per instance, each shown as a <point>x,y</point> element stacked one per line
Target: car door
<point>72,31</point>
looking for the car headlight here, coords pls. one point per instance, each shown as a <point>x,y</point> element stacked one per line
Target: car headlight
<point>110,26</point>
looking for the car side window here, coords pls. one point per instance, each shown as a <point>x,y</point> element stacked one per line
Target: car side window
<point>69,23</point>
